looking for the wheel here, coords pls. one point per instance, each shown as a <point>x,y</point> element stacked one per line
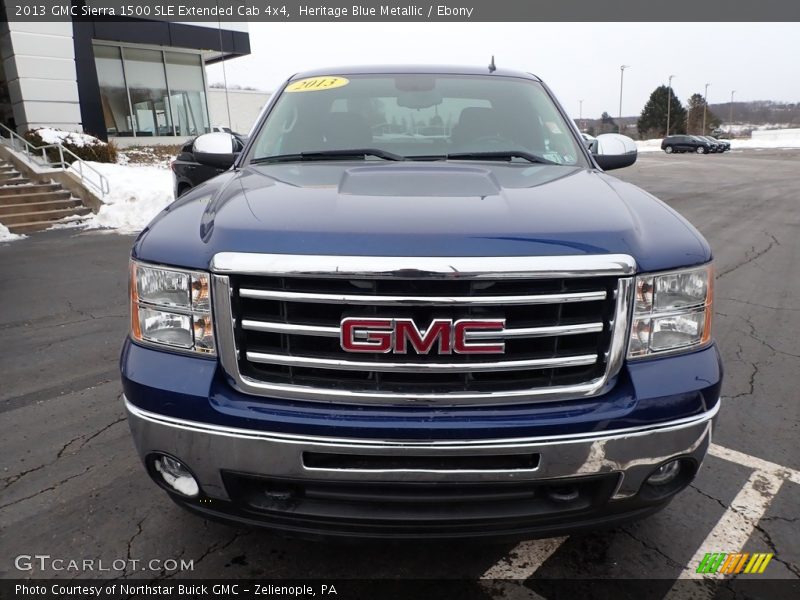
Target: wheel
<point>700,150</point>
<point>668,149</point>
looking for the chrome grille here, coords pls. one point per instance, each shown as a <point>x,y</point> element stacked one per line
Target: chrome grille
<point>566,321</point>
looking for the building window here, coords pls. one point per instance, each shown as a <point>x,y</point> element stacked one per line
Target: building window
<point>187,93</point>
<point>147,86</point>
<point>151,92</point>
<point>113,93</point>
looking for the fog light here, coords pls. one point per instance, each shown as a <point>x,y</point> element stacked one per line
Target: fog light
<point>665,473</point>
<point>176,476</point>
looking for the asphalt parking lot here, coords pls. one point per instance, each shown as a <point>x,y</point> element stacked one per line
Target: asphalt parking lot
<point>71,485</point>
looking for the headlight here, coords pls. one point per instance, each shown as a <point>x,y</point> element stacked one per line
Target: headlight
<point>171,308</point>
<point>673,312</point>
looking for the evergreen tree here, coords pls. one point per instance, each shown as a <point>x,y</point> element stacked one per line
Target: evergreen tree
<point>696,105</point>
<point>607,124</point>
<point>653,121</point>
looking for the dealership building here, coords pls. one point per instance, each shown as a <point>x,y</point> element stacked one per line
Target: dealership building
<point>113,79</point>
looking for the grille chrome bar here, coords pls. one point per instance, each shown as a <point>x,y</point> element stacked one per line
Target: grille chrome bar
<point>364,300</point>
<point>521,332</point>
<point>420,367</point>
<point>290,328</point>
<point>423,267</point>
<point>230,273</point>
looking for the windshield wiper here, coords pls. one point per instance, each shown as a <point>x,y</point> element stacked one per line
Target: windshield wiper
<point>358,153</point>
<point>500,155</point>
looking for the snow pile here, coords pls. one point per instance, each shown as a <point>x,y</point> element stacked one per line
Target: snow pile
<point>7,236</point>
<point>648,145</point>
<point>136,195</point>
<point>71,222</point>
<point>783,141</point>
<point>57,136</point>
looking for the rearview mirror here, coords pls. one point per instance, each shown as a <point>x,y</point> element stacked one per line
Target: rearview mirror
<point>614,151</point>
<point>215,150</point>
<point>419,100</point>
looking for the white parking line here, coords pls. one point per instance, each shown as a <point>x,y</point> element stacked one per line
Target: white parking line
<point>732,531</point>
<point>738,522</point>
<point>759,464</point>
<point>524,559</point>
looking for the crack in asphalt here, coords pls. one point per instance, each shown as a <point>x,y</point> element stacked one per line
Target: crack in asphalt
<point>82,384</point>
<point>64,448</point>
<point>216,546</point>
<point>48,318</point>
<point>756,304</point>
<point>750,259</point>
<point>163,574</point>
<point>774,549</point>
<point>12,479</point>
<point>139,530</point>
<point>94,435</point>
<point>48,489</point>
<point>68,338</point>
<point>752,335</point>
<point>709,496</point>
<point>752,380</point>
<point>656,549</point>
<point>777,518</point>
<point>134,536</point>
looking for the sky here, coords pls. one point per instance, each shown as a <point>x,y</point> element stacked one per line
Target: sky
<point>579,61</point>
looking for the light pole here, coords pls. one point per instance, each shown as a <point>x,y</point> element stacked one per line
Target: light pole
<point>621,76</point>
<point>580,114</point>
<point>669,100</point>
<point>730,116</point>
<point>688,117</point>
<point>705,106</point>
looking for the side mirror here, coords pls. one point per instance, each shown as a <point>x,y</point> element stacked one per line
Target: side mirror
<point>614,151</point>
<point>215,150</point>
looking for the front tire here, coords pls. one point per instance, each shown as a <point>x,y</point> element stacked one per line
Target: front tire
<point>700,150</point>
<point>668,149</point>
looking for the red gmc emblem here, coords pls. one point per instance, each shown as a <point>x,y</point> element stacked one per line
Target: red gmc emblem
<point>359,334</point>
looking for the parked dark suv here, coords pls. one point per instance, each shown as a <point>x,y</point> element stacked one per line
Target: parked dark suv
<point>722,145</point>
<point>188,173</point>
<point>685,143</point>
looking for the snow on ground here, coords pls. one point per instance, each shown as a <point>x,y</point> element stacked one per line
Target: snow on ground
<point>71,222</point>
<point>648,145</point>
<point>7,236</point>
<point>788,142</point>
<point>137,194</point>
<point>57,136</point>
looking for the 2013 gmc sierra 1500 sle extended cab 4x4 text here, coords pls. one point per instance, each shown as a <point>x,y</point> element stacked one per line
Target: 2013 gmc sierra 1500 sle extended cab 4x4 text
<point>416,306</point>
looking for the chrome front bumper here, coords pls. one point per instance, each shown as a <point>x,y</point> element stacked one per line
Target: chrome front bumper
<point>208,450</point>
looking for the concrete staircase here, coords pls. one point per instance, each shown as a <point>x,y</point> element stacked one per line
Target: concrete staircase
<point>27,206</point>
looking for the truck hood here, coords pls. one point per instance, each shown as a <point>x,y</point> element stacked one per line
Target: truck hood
<point>420,209</point>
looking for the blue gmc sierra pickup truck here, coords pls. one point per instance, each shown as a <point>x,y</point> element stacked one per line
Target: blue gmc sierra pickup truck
<point>415,306</point>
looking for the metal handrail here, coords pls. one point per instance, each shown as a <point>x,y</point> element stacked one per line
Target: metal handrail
<point>29,150</point>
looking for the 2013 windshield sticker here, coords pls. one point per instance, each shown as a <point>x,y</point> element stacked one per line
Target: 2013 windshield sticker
<point>315,84</point>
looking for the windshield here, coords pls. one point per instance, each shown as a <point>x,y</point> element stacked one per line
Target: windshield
<point>417,117</point>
